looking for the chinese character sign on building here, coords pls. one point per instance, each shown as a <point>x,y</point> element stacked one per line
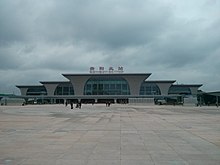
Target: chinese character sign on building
<point>101,69</point>
<point>110,70</point>
<point>92,70</point>
<point>120,69</point>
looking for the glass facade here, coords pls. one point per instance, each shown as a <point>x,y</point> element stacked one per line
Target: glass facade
<point>36,90</point>
<point>64,89</point>
<point>179,90</point>
<point>149,89</point>
<point>106,86</point>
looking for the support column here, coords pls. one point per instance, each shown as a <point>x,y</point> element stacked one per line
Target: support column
<point>50,88</point>
<point>78,83</point>
<point>135,82</point>
<point>200,100</point>
<point>164,88</point>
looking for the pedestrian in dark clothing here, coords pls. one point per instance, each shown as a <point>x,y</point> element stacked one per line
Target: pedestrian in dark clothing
<point>80,105</point>
<point>71,104</point>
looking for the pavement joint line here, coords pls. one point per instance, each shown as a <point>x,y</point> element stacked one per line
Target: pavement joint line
<point>190,131</point>
<point>141,128</point>
<point>120,140</point>
<point>151,158</point>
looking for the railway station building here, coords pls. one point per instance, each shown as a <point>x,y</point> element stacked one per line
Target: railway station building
<point>108,86</point>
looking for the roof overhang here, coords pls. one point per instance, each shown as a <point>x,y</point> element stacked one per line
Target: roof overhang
<point>217,93</point>
<point>54,82</point>
<point>99,96</point>
<point>160,81</point>
<point>108,74</point>
<point>28,86</point>
<point>188,85</point>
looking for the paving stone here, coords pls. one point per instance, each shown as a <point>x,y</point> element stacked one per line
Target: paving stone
<point>116,135</point>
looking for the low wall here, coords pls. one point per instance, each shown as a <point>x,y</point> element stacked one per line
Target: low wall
<point>192,101</point>
<point>11,101</point>
<point>141,101</point>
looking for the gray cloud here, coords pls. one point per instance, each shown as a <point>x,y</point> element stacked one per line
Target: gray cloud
<point>172,39</point>
<point>108,23</point>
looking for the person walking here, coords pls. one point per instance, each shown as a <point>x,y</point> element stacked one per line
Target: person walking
<point>71,104</point>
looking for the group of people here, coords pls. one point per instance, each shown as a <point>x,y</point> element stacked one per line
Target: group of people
<point>78,105</point>
<point>108,104</point>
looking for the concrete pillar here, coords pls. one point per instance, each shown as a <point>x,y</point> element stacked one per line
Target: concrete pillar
<point>23,91</point>
<point>50,88</point>
<point>78,83</point>
<point>194,90</point>
<point>164,88</point>
<point>200,100</point>
<point>135,82</point>
<point>5,101</point>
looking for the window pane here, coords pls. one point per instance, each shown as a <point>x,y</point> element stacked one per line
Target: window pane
<point>112,86</point>
<point>94,86</point>
<point>118,86</point>
<point>124,87</point>
<point>106,86</point>
<point>88,87</point>
<point>100,86</point>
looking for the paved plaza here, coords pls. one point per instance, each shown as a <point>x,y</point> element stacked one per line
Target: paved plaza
<point>115,135</point>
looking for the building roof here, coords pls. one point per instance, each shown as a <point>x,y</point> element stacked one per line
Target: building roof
<point>53,82</point>
<point>109,74</point>
<point>28,86</point>
<point>216,93</point>
<point>160,81</point>
<point>187,85</point>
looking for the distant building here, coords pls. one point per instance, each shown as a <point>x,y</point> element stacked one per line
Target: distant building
<point>209,98</point>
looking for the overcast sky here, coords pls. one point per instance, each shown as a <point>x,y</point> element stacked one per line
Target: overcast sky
<point>172,39</point>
